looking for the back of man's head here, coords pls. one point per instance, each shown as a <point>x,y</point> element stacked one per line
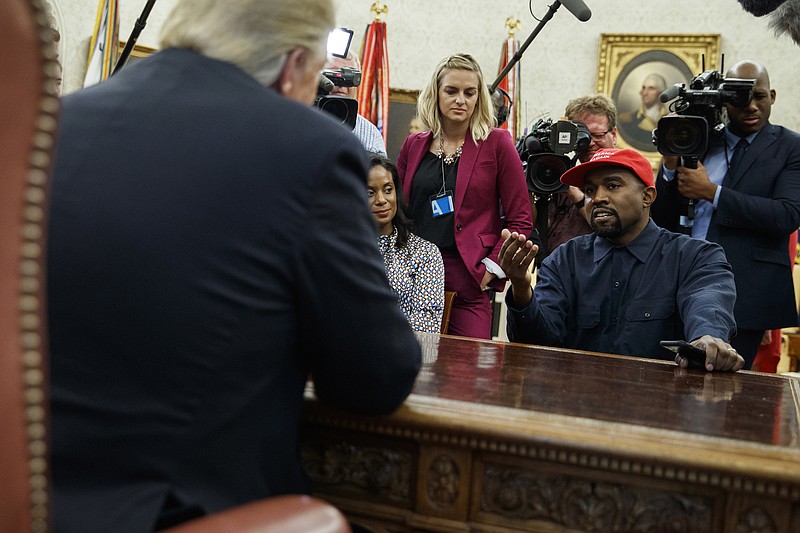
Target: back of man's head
<point>253,34</point>
<point>595,104</point>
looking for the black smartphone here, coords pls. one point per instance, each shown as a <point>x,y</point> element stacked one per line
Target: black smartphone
<point>688,350</point>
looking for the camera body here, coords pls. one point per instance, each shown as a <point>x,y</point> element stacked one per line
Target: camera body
<point>544,153</point>
<point>343,77</point>
<point>344,109</point>
<point>700,113</point>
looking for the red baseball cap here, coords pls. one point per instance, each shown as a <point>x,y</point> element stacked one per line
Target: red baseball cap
<point>611,157</point>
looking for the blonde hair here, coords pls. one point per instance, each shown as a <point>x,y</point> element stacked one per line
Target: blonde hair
<point>482,120</point>
<point>596,104</point>
<point>255,35</point>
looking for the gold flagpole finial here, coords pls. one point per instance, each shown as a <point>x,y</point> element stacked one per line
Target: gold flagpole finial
<point>379,9</point>
<point>513,24</point>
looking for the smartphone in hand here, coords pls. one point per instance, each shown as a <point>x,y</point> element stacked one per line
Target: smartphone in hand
<point>687,350</point>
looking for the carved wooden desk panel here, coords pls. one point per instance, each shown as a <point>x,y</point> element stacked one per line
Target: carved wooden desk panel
<point>504,437</point>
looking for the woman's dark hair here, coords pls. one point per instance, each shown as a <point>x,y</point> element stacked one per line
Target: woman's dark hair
<point>401,220</point>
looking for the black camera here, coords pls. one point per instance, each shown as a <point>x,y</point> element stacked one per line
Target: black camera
<point>544,153</point>
<point>700,116</point>
<point>344,109</point>
<point>344,77</point>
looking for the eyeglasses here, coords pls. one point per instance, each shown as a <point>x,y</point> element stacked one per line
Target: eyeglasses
<point>599,136</point>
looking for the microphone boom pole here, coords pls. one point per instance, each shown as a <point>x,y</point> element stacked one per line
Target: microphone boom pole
<point>576,7</point>
<point>141,22</point>
<point>518,55</point>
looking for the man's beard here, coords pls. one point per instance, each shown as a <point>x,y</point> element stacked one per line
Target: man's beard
<point>606,231</point>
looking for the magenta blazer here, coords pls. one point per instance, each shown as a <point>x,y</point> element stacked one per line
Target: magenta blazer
<point>489,174</point>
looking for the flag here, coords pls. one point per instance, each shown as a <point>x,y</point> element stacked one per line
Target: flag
<point>103,48</point>
<point>510,83</point>
<point>373,92</point>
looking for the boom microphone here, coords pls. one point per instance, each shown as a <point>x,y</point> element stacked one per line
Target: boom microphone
<point>760,8</point>
<point>578,8</point>
<point>670,93</point>
<point>786,20</point>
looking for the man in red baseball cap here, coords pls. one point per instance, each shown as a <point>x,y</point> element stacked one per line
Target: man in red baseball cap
<point>628,285</point>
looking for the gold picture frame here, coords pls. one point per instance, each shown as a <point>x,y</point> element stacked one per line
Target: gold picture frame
<point>402,108</point>
<point>627,61</point>
<point>138,52</point>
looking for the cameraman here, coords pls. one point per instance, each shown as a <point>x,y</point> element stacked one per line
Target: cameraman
<point>746,193</point>
<point>565,217</point>
<point>365,130</point>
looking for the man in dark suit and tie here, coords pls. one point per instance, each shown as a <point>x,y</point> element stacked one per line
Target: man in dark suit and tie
<point>746,194</point>
<point>210,249</point>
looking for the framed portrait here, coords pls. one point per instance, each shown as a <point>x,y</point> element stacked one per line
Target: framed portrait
<point>138,52</point>
<point>633,69</point>
<point>402,108</point>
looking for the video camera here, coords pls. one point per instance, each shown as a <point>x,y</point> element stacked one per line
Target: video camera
<point>344,109</point>
<point>700,116</point>
<point>344,77</point>
<point>544,153</point>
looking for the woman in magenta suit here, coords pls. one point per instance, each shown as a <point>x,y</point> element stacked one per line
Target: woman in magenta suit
<point>464,181</point>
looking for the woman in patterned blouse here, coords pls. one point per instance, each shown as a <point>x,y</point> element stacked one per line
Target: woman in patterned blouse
<point>413,265</point>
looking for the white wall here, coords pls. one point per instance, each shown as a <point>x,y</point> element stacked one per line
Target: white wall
<point>560,64</point>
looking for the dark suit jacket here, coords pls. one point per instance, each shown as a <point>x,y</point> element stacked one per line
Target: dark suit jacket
<point>759,207</point>
<point>210,247</point>
<point>489,173</point>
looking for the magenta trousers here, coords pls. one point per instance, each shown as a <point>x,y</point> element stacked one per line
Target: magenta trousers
<point>472,310</point>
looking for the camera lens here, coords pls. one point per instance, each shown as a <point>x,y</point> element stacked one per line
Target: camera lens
<point>337,108</point>
<point>682,135</point>
<point>544,173</point>
<point>343,109</point>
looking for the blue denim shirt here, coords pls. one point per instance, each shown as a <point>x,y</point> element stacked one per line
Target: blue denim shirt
<point>592,295</point>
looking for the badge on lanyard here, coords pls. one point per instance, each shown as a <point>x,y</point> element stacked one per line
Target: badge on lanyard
<point>442,203</point>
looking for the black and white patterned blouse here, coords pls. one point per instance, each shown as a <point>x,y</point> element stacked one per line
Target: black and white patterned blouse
<point>416,275</point>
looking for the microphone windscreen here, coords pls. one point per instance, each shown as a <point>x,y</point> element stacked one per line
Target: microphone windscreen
<point>786,20</point>
<point>325,84</point>
<point>760,8</point>
<point>578,8</point>
<point>670,93</point>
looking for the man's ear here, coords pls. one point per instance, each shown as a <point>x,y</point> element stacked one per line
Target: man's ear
<point>649,196</point>
<point>295,65</point>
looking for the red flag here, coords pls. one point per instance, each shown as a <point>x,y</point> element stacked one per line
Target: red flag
<point>510,83</point>
<point>373,92</point>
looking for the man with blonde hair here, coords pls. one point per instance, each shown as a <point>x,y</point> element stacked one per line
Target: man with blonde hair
<point>210,249</point>
<point>565,216</point>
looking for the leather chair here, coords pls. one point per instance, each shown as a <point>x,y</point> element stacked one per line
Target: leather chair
<point>29,109</point>
<point>449,297</point>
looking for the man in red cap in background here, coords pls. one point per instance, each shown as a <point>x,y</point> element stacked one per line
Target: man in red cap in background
<point>628,285</point>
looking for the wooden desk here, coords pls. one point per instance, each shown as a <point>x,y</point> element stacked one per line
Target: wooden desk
<point>503,437</point>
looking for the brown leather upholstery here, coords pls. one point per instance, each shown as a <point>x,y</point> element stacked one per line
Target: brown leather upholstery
<point>28,111</point>
<point>449,296</point>
<point>284,513</point>
<point>27,127</point>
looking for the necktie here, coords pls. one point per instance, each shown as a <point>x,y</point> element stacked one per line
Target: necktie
<point>738,153</point>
